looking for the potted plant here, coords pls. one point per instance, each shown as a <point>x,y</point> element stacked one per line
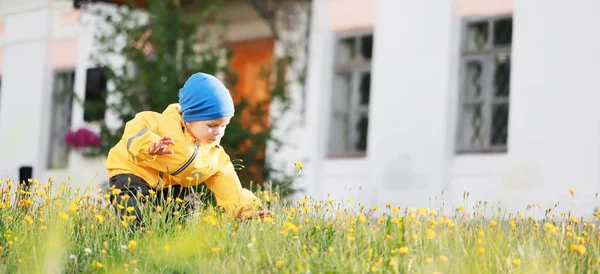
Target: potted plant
<point>85,141</point>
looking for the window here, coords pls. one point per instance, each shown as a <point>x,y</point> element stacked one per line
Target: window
<point>62,101</point>
<point>485,85</point>
<point>95,101</point>
<point>350,96</point>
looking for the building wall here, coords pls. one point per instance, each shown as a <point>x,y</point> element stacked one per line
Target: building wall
<point>553,121</point>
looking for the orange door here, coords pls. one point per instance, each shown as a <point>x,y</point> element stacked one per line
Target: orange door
<point>251,61</point>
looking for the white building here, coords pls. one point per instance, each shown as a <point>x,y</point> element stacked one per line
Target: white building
<point>498,98</point>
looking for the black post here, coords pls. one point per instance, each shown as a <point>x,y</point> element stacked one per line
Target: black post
<point>25,173</point>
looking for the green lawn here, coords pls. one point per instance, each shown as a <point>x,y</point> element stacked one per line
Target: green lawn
<point>53,229</point>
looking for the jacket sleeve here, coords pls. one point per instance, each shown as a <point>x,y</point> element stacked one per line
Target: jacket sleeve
<point>139,135</point>
<point>228,190</point>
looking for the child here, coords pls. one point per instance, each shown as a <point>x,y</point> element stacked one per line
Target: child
<point>165,153</point>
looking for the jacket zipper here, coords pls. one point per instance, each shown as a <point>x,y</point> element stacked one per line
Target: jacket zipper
<point>189,161</point>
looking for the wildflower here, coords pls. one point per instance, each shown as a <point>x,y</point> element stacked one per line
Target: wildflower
<point>430,234</point>
<point>116,191</point>
<point>395,210</point>
<point>403,250</point>
<point>481,250</point>
<point>516,261</point>
<point>43,227</point>
<point>73,257</point>
<point>87,196</point>
<point>572,191</point>
<point>130,209</point>
<point>132,244</point>
<point>19,261</point>
<point>63,215</point>
<point>216,250</point>
<point>362,219</point>
<point>133,262</point>
<point>87,250</point>
<point>351,201</point>
<point>444,259</point>
<point>298,165</point>
<point>375,208</point>
<point>28,219</point>
<point>100,218</point>
<point>579,249</point>
<point>493,223</point>
<point>428,260</point>
<point>279,264</point>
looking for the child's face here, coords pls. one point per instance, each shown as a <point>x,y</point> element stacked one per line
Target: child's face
<point>209,131</point>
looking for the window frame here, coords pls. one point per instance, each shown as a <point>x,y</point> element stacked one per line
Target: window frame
<point>355,68</point>
<point>50,150</point>
<point>487,100</point>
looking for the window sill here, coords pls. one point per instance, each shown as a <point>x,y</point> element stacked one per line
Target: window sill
<point>347,155</point>
<point>486,151</point>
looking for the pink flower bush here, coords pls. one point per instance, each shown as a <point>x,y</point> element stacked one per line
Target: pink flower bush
<point>81,138</point>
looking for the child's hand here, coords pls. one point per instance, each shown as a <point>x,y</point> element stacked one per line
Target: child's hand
<point>160,147</point>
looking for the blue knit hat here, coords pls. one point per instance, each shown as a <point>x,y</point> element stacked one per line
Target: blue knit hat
<point>204,97</point>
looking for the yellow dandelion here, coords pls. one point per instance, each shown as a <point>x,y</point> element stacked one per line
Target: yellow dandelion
<point>443,259</point>
<point>572,191</point>
<point>493,223</point>
<point>388,205</point>
<point>167,247</point>
<point>133,262</point>
<point>516,261</point>
<point>132,244</point>
<point>63,215</point>
<point>1,249</point>
<point>100,218</point>
<point>43,227</point>
<point>298,165</point>
<point>481,250</point>
<point>19,261</point>
<point>403,250</point>
<point>87,196</point>
<point>428,260</point>
<point>28,219</point>
<point>216,250</point>
<point>116,191</point>
<point>130,209</point>
<point>430,234</point>
<point>375,208</point>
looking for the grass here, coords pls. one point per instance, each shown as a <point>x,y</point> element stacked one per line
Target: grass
<point>55,229</point>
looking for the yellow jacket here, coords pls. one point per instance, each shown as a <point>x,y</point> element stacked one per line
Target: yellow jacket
<point>191,163</point>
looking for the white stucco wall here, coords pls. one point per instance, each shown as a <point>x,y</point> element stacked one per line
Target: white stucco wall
<point>554,134</point>
<point>23,84</point>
